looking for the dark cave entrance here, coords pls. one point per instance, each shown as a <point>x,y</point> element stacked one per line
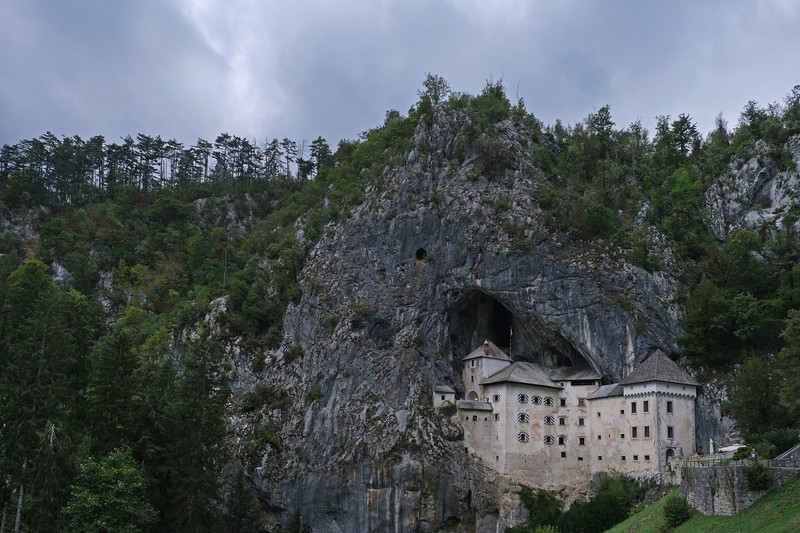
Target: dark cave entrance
<point>479,316</point>
<point>501,325</point>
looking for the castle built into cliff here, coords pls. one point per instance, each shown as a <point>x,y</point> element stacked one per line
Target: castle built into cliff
<point>557,426</point>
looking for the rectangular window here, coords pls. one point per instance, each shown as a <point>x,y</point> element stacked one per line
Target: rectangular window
<point>646,406</point>
<point>622,411</point>
<point>646,457</point>
<point>580,458</point>
<point>563,454</point>
<point>622,435</point>
<point>474,418</point>
<point>670,432</point>
<point>562,440</point>
<point>599,457</point>
<point>623,457</point>
<point>472,379</point>
<point>562,421</point>
<point>633,408</point>
<point>581,441</point>
<point>442,396</point>
<point>563,402</point>
<point>647,432</point>
<point>599,437</point>
<point>669,406</point>
<point>635,457</point>
<point>581,402</point>
<point>634,432</point>
<point>598,414</point>
<point>581,421</point>
<point>472,363</point>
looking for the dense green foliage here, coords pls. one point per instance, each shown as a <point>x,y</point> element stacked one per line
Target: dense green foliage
<point>109,495</point>
<point>166,235</point>
<point>676,511</point>
<point>614,498</point>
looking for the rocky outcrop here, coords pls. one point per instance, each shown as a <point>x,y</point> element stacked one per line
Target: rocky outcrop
<point>756,193</point>
<point>439,257</point>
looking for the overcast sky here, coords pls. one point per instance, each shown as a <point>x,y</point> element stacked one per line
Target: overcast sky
<point>300,68</point>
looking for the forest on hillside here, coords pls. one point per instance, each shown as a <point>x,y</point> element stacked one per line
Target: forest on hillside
<point>113,390</point>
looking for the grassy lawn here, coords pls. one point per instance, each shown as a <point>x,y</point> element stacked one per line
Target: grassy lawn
<point>778,511</point>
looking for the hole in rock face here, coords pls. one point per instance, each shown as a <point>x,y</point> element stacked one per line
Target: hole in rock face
<point>479,316</point>
<point>421,254</point>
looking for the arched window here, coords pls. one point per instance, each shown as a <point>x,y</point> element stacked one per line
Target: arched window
<point>549,421</point>
<point>522,398</point>
<point>523,417</point>
<point>523,437</point>
<point>495,398</point>
<point>549,439</point>
<point>495,416</point>
<point>536,400</point>
<point>548,400</point>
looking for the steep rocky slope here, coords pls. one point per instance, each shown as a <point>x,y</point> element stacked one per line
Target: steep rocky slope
<point>441,255</point>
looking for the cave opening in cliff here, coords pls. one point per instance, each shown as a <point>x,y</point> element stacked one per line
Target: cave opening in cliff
<point>479,316</point>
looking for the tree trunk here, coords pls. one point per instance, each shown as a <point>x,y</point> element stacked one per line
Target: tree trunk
<point>5,518</point>
<point>20,503</point>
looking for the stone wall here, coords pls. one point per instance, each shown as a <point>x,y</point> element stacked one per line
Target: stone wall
<point>720,488</point>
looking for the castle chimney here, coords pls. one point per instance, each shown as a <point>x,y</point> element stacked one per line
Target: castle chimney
<point>486,347</point>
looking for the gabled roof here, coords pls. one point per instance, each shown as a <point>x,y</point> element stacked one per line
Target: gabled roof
<point>488,349</point>
<point>522,372</point>
<point>568,373</point>
<point>444,388</point>
<point>659,367</point>
<point>606,391</point>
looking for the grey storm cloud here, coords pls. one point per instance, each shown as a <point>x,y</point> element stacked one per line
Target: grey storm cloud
<point>197,68</point>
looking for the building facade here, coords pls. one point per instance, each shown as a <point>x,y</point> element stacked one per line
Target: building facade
<point>557,426</point>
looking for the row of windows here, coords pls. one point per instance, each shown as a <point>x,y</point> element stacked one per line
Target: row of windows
<point>548,420</point>
<point>548,439</point>
<point>646,407</point>
<point>535,400</point>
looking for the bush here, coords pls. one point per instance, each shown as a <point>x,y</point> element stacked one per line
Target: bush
<point>448,410</point>
<point>676,511</point>
<point>249,402</point>
<point>758,476</point>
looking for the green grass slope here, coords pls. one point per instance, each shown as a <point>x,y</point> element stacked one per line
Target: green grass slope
<point>778,511</point>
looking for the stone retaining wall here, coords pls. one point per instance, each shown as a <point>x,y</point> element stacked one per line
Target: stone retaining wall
<point>721,488</point>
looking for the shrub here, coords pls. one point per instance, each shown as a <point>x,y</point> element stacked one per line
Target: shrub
<point>315,393</point>
<point>676,511</point>
<point>543,509</point>
<point>293,352</point>
<point>757,475</point>
<point>448,410</point>
<point>249,402</point>
<point>274,336</point>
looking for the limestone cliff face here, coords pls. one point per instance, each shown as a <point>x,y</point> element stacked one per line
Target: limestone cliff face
<point>437,259</point>
<point>755,193</point>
